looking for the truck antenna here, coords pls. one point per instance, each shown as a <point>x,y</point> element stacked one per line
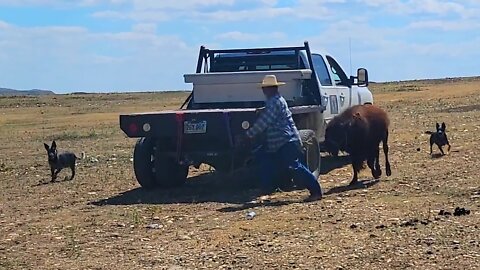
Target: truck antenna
<point>350,53</point>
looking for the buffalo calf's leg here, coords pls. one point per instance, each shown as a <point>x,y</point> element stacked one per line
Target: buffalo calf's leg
<point>388,170</point>
<point>357,166</point>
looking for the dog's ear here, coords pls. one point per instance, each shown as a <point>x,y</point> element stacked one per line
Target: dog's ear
<point>46,146</point>
<point>444,127</point>
<point>437,126</point>
<point>54,145</point>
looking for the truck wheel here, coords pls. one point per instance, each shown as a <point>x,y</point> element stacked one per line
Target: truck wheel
<point>312,158</point>
<point>143,163</point>
<point>170,173</point>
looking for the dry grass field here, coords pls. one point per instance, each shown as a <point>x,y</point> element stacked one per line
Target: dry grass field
<point>102,219</point>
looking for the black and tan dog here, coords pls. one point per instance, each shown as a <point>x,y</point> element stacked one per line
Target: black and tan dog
<point>60,161</point>
<point>439,138</point>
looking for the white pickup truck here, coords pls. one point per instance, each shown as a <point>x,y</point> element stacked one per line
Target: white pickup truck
<point>224,103</point>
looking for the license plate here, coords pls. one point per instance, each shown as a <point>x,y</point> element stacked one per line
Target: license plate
<point>190,127</point>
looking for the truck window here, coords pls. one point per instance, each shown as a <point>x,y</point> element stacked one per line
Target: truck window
<point>338,75</point>
<point>321,70</point>
<point>254,62</point>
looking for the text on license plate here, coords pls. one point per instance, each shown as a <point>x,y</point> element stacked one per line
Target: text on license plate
<point>190,127</point>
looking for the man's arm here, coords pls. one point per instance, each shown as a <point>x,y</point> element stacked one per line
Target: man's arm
<point>267,117</point>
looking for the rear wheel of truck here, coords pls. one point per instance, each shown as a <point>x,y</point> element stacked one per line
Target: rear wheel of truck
<point>143,163</point>
<point>169,173</point>
<point>311,158</point>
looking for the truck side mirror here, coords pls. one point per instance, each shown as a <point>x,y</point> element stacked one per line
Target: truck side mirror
<point>362,77</point>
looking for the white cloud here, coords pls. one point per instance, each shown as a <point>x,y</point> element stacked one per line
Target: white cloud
<point>438,7</point>
<point>459,25</point>
<point>75,59</point>
<point>214,10</point>
<point>59,3</point>
<point>145,27</point>
<point>240,15</point>
<point>178,5</point>
<point>242,36</point>
<point>157,11</point>
<point>393,53</point>
<point>59,57</point>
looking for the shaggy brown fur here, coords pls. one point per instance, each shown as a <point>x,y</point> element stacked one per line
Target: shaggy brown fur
<point>358,131</point>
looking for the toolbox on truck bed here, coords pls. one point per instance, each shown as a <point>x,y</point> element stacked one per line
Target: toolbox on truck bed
<point>243,86</point>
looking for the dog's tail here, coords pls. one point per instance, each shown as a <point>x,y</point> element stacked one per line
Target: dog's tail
<point>429,132</point>
<point>82,156</point>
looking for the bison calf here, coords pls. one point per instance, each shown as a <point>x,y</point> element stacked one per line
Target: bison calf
<point>358,131</point>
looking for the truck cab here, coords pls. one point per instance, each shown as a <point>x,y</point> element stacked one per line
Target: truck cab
<point>339,91</point>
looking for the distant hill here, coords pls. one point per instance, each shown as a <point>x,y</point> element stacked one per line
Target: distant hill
<point>33,92</point>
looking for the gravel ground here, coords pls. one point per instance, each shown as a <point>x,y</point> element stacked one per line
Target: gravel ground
<point>103,220</point>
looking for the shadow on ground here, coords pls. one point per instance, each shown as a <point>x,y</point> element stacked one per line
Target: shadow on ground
<point>330,163</point>
<point>208,187</point>
<point>221,188</point>
<point>360,185</point>
<point>436,155</point>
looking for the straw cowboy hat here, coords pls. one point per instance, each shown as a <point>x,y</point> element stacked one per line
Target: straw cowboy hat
<point>270,80</point>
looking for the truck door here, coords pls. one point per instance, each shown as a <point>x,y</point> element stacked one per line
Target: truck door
<point>342,85</point>
<point>327,88</point>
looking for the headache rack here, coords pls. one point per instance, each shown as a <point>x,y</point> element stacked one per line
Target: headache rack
<point>206,56</point>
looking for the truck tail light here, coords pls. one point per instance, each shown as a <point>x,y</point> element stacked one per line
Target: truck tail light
<point>133,128</point>
<point>179,116</point>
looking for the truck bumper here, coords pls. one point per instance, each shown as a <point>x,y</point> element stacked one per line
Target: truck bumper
<point>212,144</point>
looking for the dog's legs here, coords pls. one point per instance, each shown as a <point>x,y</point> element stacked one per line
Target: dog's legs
<point>441,150</point>
<point>52,171</point>
<point>56,173</point>
<point>388,170</point>
<point>432,142</point>
<point>73,172</point>
<point>448,144</point>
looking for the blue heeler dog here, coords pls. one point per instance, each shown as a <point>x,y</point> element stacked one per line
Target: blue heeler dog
<point>60,161</point>
<point>439,138</point>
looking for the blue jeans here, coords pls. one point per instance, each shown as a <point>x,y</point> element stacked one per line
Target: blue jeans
<point>287,158</point>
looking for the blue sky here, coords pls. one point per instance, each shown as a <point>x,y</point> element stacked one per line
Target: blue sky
<point>143,45</point>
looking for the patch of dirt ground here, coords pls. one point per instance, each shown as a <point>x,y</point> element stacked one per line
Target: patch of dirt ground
<point>103,220</point>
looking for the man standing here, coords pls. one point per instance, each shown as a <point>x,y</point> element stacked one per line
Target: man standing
<point>282,150</point>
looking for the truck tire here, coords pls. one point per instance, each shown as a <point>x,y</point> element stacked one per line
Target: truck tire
<point>170,174</point>
<point>143,163</point>
<point>311,158</point>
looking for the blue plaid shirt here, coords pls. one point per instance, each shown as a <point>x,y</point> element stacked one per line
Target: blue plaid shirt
<point>277,122</point>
